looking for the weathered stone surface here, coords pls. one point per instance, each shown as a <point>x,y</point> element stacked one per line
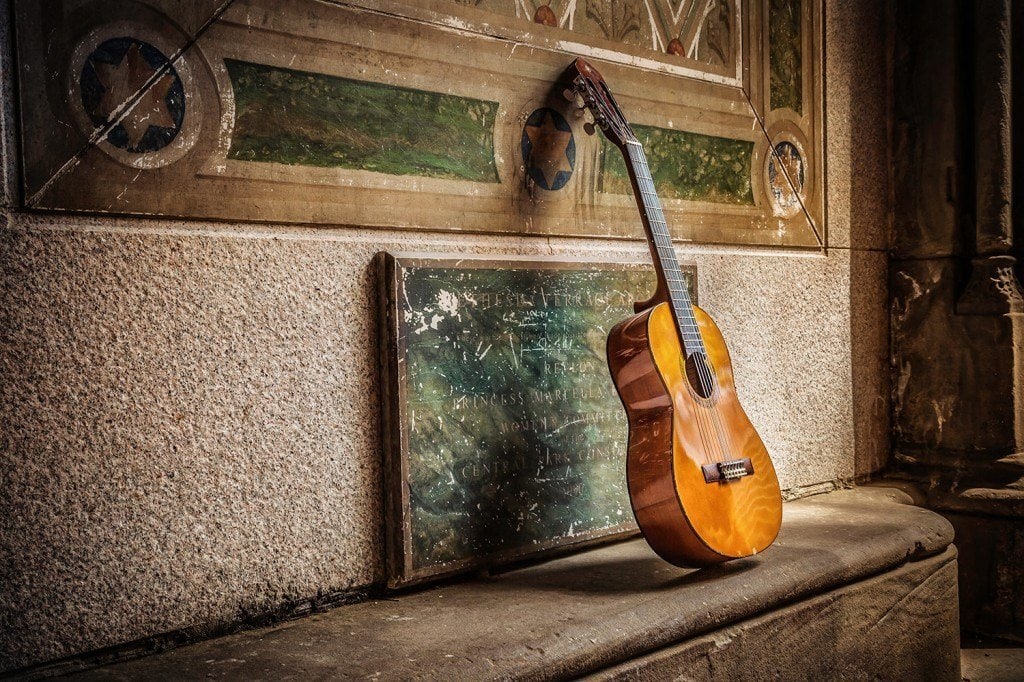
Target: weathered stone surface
<point>596,609</point>
<point>957,331</point>
<point>9,179</point>
<point>858,178</point>
<point>989,524</point>
<point>192,417</point>
<point>955,374</point>
<point>900,625</point>
<point>992,664</point>
<point>993,139</point>
<point>993,288</point>
<point>928,164</point>
<point>857,144</point>
<point>869,351</point>
<point>1005,501</point>
<point>991,584</point>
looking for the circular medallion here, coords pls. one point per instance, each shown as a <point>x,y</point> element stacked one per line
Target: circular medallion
<point>549,150</point>
<point>786,178</point>
<point>125,89</point>
<point>111,79</point>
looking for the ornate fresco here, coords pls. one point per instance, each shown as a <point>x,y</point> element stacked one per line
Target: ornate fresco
<point>703,33</point>
<point>425,114</point>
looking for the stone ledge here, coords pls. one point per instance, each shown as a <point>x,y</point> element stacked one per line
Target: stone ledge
<point>899,625</point>
<point>576,615</point>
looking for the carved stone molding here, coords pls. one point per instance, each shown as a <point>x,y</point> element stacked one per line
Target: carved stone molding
<point>993,288</point>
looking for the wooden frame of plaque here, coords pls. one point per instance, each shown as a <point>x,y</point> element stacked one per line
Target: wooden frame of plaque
<point>504,439</point>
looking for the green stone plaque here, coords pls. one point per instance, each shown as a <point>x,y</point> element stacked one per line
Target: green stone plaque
<point>504,436</point>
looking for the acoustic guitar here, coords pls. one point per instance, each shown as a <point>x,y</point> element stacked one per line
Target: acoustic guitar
<point>700,480</point>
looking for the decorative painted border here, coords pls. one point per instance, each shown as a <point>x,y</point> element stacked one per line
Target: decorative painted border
<point>508,69</point>
<point>290,117</point>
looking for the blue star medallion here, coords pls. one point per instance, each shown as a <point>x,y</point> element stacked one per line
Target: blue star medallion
<point>113,75</point>
<point>549,151</point>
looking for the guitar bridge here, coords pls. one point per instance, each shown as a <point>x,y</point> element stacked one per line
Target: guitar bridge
<point>723,472</point>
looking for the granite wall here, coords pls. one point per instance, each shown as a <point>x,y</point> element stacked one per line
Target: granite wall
<point>191,409</point>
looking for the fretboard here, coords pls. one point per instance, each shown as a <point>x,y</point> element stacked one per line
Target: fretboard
<point>662,251</point>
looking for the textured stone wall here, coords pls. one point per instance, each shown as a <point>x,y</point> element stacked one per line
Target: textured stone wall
<point>954,368</point>
<point>191,411</point>
<point>957,309</point>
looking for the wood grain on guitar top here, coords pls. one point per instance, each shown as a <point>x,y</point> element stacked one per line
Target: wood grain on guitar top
<point>673,432</point>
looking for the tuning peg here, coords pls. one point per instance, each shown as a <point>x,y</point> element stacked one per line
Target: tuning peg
<point>570,94</point>
<point>585,114</point>
<point>588,128</point>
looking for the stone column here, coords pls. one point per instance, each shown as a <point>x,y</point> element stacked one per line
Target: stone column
<point>957,308</point>
<point>993,295</point>
<point>993,288</point>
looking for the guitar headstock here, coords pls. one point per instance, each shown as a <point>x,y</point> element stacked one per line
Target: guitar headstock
<point>589,91</point>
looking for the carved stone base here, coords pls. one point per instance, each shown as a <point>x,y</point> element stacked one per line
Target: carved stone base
<point>991,584</point>
<point>959,420</point>
<point>989,524</point>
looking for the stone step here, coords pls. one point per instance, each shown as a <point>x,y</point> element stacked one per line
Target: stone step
<point>860,583</point>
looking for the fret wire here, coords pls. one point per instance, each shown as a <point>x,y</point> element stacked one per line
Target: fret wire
<point>651,206</point>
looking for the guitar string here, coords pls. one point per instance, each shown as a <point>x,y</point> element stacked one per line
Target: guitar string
<point>705,419</point>
<point>702,410</point>
<point>666,254</point>
<point>723,432</point>
<point>704,425</point>
<point>705,428</point>
<point>708,423</point>
<point>726,448</point>
<point>700,429</point>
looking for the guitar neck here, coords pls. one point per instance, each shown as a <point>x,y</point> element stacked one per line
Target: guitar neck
<point>670,276</point>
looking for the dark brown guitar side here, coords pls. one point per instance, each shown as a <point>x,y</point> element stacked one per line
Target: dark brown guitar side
<point>701,483</point>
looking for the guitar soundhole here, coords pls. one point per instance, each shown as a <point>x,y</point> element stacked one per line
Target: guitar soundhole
<point>700,374</point>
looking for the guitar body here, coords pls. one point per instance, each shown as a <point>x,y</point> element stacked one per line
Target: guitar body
<point>676,437</point>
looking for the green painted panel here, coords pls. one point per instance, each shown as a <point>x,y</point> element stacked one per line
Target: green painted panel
<point>310,119</point>
<point>785,54</point>
<point>516,438</point>
<point>685,165</point>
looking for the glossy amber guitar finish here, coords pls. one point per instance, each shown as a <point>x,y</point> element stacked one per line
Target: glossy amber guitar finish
<point>702,485</point>
<point>686,520</point>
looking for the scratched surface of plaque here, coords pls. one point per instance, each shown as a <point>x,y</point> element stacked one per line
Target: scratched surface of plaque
<point>509,434</point>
